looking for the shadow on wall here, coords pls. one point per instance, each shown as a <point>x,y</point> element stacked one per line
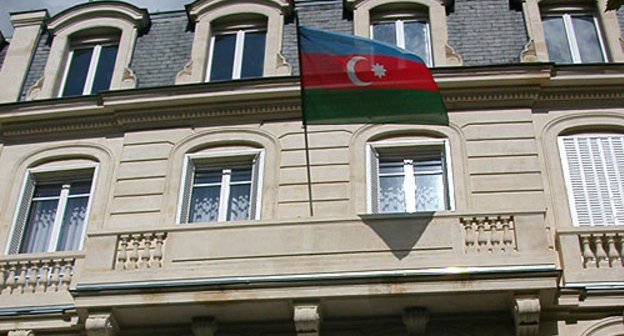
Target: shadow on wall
<point>400,232</point>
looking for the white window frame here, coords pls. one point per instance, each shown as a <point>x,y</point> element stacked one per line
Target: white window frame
<point>239,48</point>
<point>93,64</point>
<point>408,147</point>
<point>38,175</point>
<point>399,29</point>
<point>571,34</point>
<point>568,179</point>
<point>191,161</point>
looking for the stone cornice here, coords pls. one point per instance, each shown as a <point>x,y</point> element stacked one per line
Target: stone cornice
<point>532,86</point>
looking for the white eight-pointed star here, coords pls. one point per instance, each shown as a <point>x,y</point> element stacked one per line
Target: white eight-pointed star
<point>379,70</point>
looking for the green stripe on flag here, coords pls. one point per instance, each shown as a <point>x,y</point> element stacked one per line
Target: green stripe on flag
<point>330,106</point>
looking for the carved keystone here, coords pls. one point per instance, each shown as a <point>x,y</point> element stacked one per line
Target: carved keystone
<point>204,326</point>
<point>21,333</point>
<point>307,319</point>
<point>101,325</point>
<point>526,314</point>
<point>415,320</point>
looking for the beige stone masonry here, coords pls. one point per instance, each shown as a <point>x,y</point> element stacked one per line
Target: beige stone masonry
<point>27,31</point>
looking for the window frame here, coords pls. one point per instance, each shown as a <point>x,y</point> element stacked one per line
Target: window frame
<point>563,157</point>
<point>97,46</point>
<point>239,49</point>
<point>215,159</point>
<point>399,30</point>
<point>45,175</point>
<point>408,147</point>
<point>572,42</point>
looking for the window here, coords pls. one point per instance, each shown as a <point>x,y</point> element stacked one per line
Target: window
<point>409,176</point>
<point>89,69</point>
<point>410,32</point>
<point>594,174</point>
<point>573,38</point>
<point>53,211</point>
<point>237,54</point>
<point>221,187</point>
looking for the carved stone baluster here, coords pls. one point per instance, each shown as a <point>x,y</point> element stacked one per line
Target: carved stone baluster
<point>495,237</point>
<point>158,250</point>
<point>67,273</point>
<point>31,279</point>
<point>134,255</point>
<point>601,254</point>
<point>10,280</point>
<point>470,235</point>
<point>612,252</point>
<point>147,251</point>
<point>43,276</point>
<point>482,238</point>
<point>508,234</point>
<point>3,273</point>
<point>122,255</point>
<point>55,277</point>
<point>21,279</point>
<point>589,259</point>
<point>621,250</point>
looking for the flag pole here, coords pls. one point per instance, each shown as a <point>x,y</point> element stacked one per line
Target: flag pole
<point>304,119</point>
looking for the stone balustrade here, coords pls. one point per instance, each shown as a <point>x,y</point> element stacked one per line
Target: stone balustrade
<point>602,250</point>
<point>24,275</point>
<point>495,234</point>
<point>140,250</point>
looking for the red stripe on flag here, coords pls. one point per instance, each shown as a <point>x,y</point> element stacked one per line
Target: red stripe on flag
<point>321,70</point>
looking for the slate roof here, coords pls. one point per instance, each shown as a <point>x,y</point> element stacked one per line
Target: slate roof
<point>620,16</point>
<point>37,65</point>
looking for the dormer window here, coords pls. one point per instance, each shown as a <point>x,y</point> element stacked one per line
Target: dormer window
<point>406,28</point>
<point>237,51</point>
<point>89,68</point>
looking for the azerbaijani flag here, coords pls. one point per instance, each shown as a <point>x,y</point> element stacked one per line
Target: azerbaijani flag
<point>349,79</point>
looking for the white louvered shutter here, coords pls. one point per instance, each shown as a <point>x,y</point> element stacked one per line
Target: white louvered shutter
<point>594,174</point>
<point>373,164</point>
<point>255,198</point>
<point>187,190</point>
<point>22,214</point>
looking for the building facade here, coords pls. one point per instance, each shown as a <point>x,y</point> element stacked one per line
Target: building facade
<point>153,174</point>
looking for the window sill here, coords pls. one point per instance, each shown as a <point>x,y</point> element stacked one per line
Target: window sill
<point>406,215</point>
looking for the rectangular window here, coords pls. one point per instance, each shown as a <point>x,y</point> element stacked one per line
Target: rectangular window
<point>573,38</point>
<point>221,188</point>
<point>52,213</point>
<point>409,177</point>
<point>89,69</point>
<point>237,54</point>
<point>412,35</point>
<point>594,174</point>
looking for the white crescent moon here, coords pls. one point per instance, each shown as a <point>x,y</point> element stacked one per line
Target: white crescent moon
<point>351,71</point>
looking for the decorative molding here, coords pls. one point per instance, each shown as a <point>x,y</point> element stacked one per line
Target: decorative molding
<point>186,74</point>
<point>307,319</point>
<point>128,79</point>
<point>204,326</point>
<point>452,57</point>
<point>124,11</point>
<point>415,320</point>
<point>489,234</point>
<point>529,53</point>
<point>621,43</point>
<point>609,326</point>
<point>140,251</point>
<point>21,333</point>
<point>35,89</point>
<point>101,325</point>
<point>526,315</point>
<point>282,68</point>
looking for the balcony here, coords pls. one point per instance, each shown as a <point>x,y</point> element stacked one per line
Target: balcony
<point>592,256</point>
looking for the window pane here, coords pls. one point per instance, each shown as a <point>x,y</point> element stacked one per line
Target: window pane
<point>239,175</point>
<point>223,57</point>
<point>430,192</point>
<point>48,190</point>
<point>253,55</point>
<point>391,194</point>
<point>391,167</point>
<point>208,176</point>
<point>434,165</point>
<point>73,224</point>
<point>416,39</point>
<point>78,188</point>
<point>239,202</point>
<point>77,74</point>
<point>39,226</point>
<point>205,204</point>
<point>556,40</point>
<point>587,38</point>
<point>105,67</point>
<point>385,32</point>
